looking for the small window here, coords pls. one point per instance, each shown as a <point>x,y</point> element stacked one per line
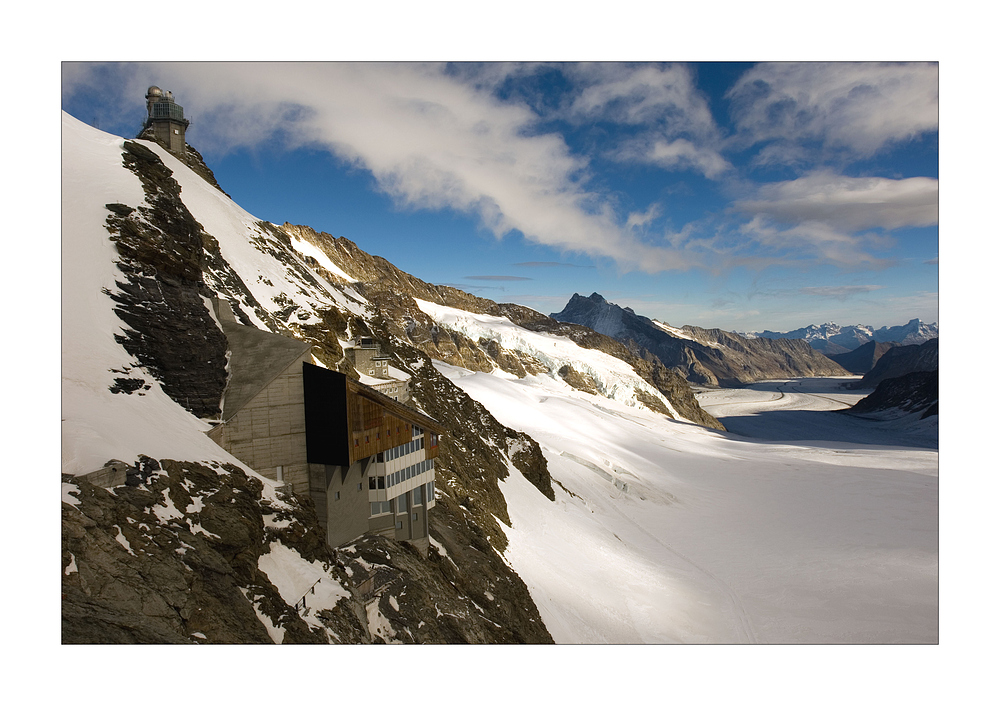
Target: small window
<point>401,505</point>
<point>414,517</point>
<point>371,483</point>
<point>418,496</point>
<point>336,495</point>
<point>359,488</point>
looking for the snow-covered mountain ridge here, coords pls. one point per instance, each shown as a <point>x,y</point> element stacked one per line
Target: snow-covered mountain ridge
<point>702,356</point>
<point>832,338</point>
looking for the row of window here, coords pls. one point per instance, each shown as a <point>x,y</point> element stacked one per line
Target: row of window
<point>387,481</point>
<point>400,451</point>
<point>386,507</point>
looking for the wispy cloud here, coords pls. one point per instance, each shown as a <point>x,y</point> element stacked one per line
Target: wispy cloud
<point>840,293</point>
<point>551,264</point>
<point>675,127</point>
<point>499,278</point>
<point>437,137</point>
<point>432,141</point>
<point>849,203</point>
<point>859,108</point>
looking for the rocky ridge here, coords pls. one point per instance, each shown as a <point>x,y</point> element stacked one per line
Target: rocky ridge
<point>137,568</point>
<point>393,293</point>
<point>900,361</point>
<point>701,356</point>
<point>862,359</point>
<point>912,393</point>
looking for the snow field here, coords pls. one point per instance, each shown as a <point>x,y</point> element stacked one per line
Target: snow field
<point>615,379</point>
<point>719,539</point>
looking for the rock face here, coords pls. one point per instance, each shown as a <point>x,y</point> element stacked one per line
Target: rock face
<point>393,292</point>
<point>900,361</point>
<point>862,359</point>
<point>179,554</point>
<point>701,356</point>
<point>907,394</point>
<point>161,300</point>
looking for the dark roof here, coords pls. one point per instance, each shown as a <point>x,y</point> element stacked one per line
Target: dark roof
<point>256,359</point>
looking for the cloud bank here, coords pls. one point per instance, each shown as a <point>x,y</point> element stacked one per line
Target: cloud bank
<point>438,137</point>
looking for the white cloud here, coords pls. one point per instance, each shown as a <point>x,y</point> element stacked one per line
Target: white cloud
<point>849,203</point>
<point>816,241</point>
<point>860,107</point>
<point>677,128</point>
<point>841,292</point>
<point>430,140</point>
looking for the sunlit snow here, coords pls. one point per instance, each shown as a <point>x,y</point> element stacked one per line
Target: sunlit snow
<point>615,378</point>
<point>718,539</point>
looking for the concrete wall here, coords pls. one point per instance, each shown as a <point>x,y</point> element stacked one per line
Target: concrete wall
<point>269,431</point>
<point>171,134</point>
<point>347,506</point>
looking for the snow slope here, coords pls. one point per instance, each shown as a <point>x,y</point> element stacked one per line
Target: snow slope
<point>717,539</point>
<point>98,426</point>
<point>615,379</point>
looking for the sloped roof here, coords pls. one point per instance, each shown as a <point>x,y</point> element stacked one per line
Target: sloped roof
<point>397,408</point>
<point>256,359</point>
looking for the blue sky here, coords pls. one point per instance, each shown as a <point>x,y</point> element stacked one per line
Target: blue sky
<point>739,196</point>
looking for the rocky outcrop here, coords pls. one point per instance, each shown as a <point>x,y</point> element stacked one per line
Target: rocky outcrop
<point>702,356</point>
<point>178,554</point>
<point>191,157</point>
<point>392,292</point>
<point>908,394</point>
<point>900,361</point>
<point>162,296</point>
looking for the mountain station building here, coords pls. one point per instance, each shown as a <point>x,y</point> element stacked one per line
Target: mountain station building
<point>365,459</point>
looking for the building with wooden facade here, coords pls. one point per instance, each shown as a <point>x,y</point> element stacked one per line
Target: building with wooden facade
<point>365,459</point>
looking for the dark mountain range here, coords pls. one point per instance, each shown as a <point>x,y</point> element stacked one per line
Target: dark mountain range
<point>863,358</point>
<point>900,361</point>
<point>702,356</point>
<point>907,394</point>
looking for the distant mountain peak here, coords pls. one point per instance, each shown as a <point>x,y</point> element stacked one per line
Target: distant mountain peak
<point>704,356</point>
<point>832,338</point>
